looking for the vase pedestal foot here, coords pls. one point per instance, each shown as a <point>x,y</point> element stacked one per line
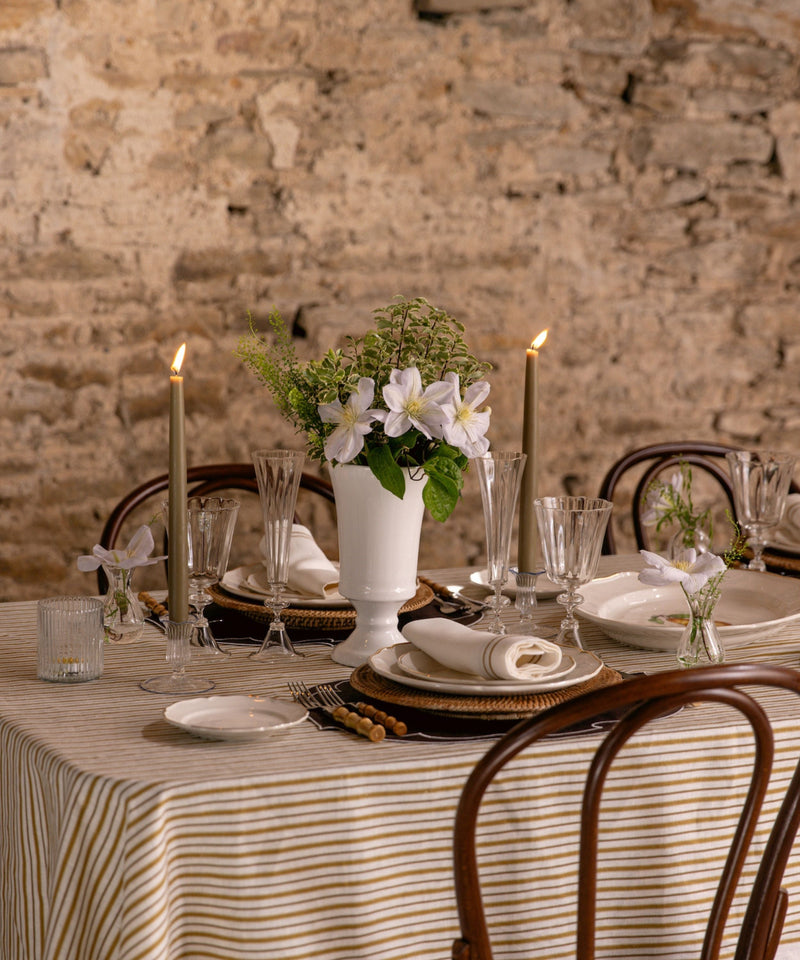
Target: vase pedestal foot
<point>376,628</point>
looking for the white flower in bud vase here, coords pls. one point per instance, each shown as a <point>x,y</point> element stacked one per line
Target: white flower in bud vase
<point>465,425</point>
<point>661,498</point>
<point>353,421</point>
<point>412,407</point>
<point>136,554</point>
<point>691,571</point>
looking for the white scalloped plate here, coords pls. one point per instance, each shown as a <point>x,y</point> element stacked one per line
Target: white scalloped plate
<point>752,605</point>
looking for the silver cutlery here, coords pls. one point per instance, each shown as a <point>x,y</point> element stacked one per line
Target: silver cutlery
<point>333,698</point>
<point>347,718</point>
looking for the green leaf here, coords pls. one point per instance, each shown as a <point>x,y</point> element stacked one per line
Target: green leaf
<point>443,488</point>
<point>382,464</point>
<point>439,498</point>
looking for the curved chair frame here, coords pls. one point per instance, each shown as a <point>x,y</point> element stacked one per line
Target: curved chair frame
<point>645,699</point>
<point>202,482</point>
<point>710,457</point>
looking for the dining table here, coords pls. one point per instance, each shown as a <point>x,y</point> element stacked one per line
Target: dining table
<point>125,837</point>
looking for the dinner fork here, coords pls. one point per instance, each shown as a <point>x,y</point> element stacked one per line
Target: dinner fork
<point>333,698</point>
<point>347,718</point>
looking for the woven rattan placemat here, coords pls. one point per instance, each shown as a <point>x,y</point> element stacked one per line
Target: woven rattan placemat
<point>309,617</point>
<point>781,562</point>
<point>371,684</point>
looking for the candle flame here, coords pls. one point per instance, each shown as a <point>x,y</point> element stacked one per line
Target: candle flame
<point>178,361</point>
<point>538,341</point>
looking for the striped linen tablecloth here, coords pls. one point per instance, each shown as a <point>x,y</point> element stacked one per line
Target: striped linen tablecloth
<point>124,837</point>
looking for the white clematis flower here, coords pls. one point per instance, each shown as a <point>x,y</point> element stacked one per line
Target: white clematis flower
<point>410,406</point>
<point>689,570</point>
<point>354,421</point>
<point>464,426</point>
<point>660,498</point>
<point>136,554</point>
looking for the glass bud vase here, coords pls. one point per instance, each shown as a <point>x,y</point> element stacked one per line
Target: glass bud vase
<point>695,539</point>
<point>123,616</point>
<point>700,641</point>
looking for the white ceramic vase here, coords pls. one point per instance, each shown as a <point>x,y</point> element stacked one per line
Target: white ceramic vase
<point>378,550</point>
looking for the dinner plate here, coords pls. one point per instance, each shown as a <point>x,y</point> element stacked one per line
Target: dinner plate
<point>545,588</point>
<point>443,680</point>
<point>417,663</point>
<point>244,582</point>
<point>752,605</point>
<point>235,717</point>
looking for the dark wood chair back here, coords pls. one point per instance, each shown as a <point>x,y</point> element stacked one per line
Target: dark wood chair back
<point>639,701</point>
<point>650,461</point>
<point>203,481</point>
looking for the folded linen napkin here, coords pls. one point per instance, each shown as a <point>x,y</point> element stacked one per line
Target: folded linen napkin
<point>489,655</point>
<point>311,573</point>
<point>788,530</point>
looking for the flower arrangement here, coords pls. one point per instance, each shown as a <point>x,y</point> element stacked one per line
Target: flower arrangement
<point>408,393</point>
<point>671,502</point>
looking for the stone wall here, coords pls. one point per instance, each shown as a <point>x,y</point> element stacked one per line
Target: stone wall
<point>624,172</point>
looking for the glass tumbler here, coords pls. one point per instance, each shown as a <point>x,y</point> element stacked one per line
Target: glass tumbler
<point>70,634</point>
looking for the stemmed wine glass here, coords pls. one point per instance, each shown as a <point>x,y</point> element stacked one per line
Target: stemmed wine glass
<point>278,473</point>
<point>500,475</point>
<point>761,481</point>
<point>210,527</point>
<point>571,530</point>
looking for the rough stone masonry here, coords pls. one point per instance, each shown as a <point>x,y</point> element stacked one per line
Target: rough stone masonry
<point>624,172</point>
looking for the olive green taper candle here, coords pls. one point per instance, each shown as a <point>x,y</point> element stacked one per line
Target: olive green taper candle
<point>529,549</point>
<point>178,543</point>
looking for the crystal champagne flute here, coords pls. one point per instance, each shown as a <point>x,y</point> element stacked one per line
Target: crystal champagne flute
<point>571,530</point>
<point>500,475</point>
<point>278,473</point>
<point>761,481</point>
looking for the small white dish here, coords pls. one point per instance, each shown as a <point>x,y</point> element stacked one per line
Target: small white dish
<point>437,677</point>
<point>545,588</point>
<point>235,717</point>
<point>752,605</point>
<point>247,582</point>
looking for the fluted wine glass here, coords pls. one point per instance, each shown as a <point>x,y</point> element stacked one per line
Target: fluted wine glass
<point>571,530</point>
<point>500,475</point>
<point>211,521</point>
<point>278,473</point>
<point>761,481</point>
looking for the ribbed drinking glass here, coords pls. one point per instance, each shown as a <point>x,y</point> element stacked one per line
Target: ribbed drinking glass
<point>571,530</point>
<point>761,481</point>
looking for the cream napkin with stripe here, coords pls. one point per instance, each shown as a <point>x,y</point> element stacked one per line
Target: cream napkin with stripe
<point>311,573</point>
<point>489,655</point>
<point>789,527</point>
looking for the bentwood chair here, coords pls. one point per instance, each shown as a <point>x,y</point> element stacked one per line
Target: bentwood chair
<point>645,464</point>
<point>637,702</point>
<point>202,481</point>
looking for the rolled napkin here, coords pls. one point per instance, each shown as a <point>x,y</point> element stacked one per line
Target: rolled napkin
<point>788,530</point>
<point>311,573</point>
<point>489,655</point>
